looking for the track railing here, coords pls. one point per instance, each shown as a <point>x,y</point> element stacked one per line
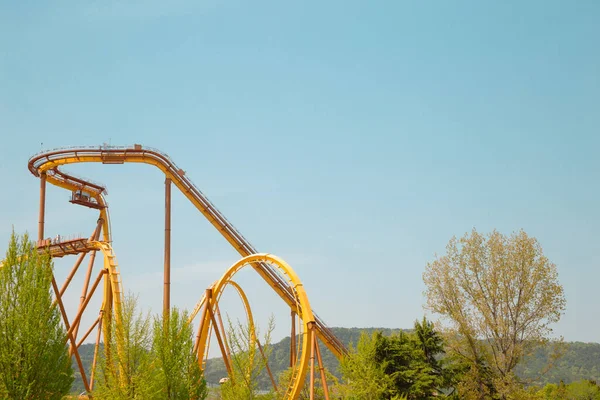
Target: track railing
<point>49,161</point>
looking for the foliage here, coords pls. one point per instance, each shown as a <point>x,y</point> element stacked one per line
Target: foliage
<point>247,362</point>
<point>150,359</point>
<point>279,358</point>
<point>366,379</point>
<point>580,390</point>
<point>500,295</point>
<point>404,364</point>
<point>126,367</point>
<point>178,374</point>
<point>580,360</point>
<point>34,359</point>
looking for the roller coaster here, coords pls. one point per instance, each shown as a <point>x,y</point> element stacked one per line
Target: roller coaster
<point>307,329</point>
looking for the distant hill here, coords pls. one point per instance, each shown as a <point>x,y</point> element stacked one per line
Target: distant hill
<point>580,361</point>
<point>280,359</point>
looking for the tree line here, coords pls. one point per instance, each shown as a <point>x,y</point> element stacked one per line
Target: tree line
<point>496,298</point>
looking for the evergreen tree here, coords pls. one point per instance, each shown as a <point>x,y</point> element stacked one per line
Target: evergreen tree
<point>401,365</point>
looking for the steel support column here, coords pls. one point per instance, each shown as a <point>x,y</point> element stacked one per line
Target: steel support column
<point>96,351</point>
<point>85,303</point>
<point>42,206</point>
<point>313,340</point>
<point>293,341</point>
<point>322,370</point>
<point>86,285</point>
<point>207,296</point>
<point>167,277</point>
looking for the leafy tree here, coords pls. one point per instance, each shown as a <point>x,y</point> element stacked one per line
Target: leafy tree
<point>402,364</point>
<point>179,375</point>
<point>150,359</point>
<point>126,368</point>
<point>364,377</point>
<point>552,392</point>
<point>500,296</point>
<point>34,360</point>
<point>580,390</point>
<point>246,361</point>
<point>583,390</point>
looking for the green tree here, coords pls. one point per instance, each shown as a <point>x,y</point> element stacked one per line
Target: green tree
<point>127,371</point>
<point>500,295</point>
<point>583,390</point>
<point>579,390</point>
<point>364,378</point>
<point>247,362</point>
<point>411,362</point>
<point>403,364</point>
<point>179,375</point>
<point>34,360</point>
<point>441,373</point>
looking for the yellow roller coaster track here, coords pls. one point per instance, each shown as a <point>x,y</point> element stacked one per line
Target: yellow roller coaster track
<point>280,277</point>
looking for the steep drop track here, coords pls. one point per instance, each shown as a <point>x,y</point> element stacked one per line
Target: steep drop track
<point>46,166</point>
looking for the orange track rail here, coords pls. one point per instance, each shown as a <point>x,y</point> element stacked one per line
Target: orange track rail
<point>50,161</point>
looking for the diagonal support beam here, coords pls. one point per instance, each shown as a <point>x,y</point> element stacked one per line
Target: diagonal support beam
<point>82,309</point>
<point>220,340</point>
<point>70,335</point>
<point>80,258</point>
<point>71,274</point>
<point>260,348</point>
<point>88,332</point>
<point>322,370</point>
<point>227,349</point>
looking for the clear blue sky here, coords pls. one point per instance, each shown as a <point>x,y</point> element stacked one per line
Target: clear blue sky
<point>352,138</point>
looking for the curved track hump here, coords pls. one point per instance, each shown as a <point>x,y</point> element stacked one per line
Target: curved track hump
<point>306,334</point>
<point>48,163</point>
